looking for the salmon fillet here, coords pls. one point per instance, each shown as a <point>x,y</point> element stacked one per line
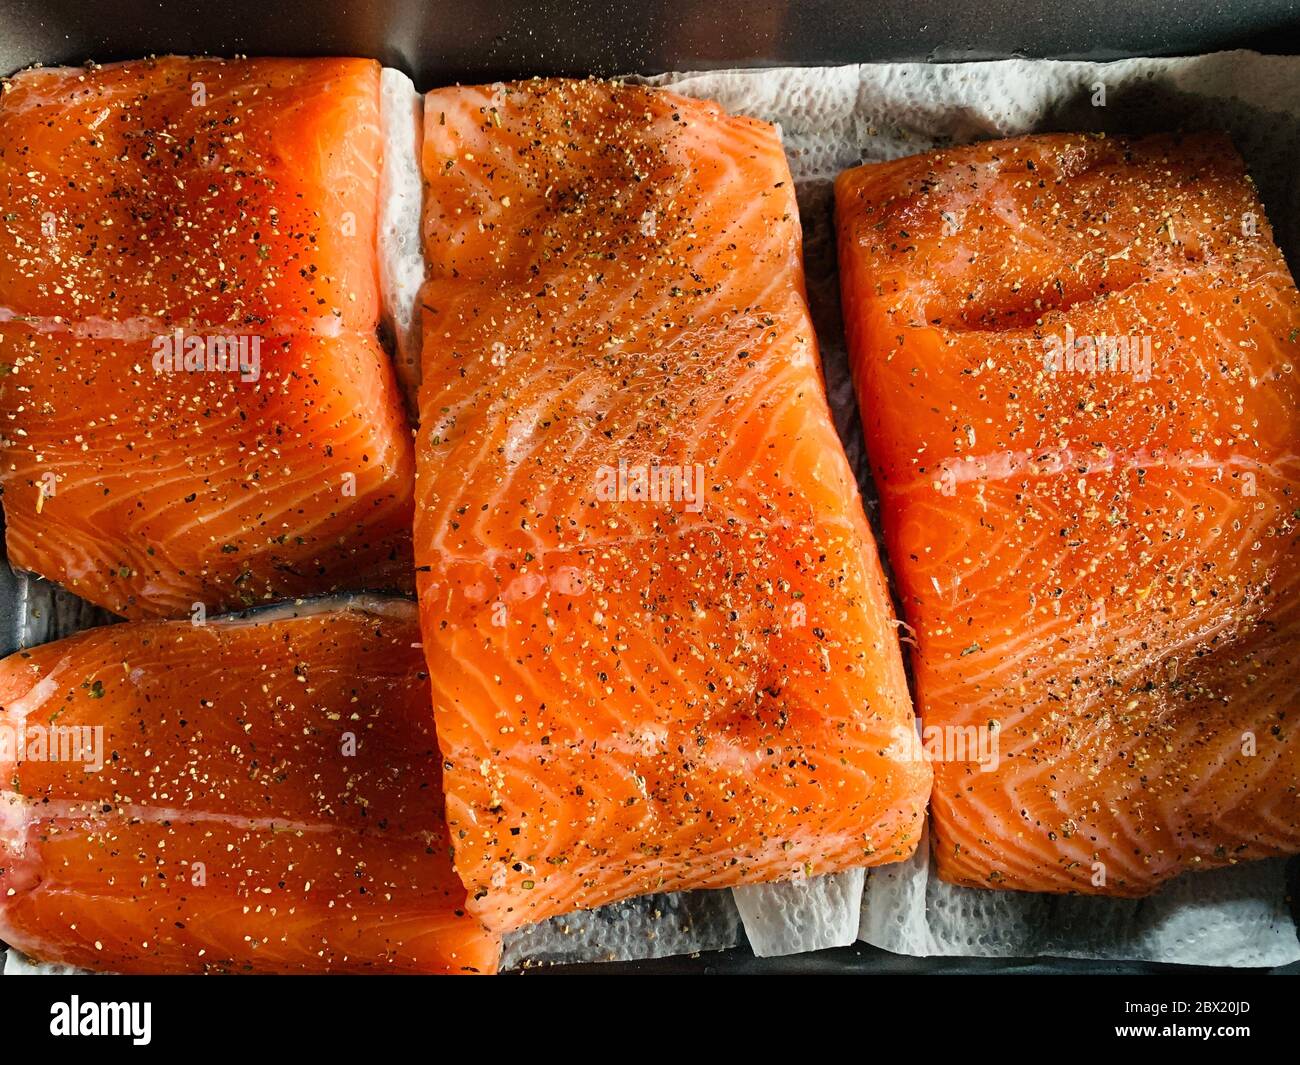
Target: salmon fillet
<point>193,190</point>
<point>266,799</point>
<point>661,647</point>
<point>195,406</point>
<point>1075,358</point>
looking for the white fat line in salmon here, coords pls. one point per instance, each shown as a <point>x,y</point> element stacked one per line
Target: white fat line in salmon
<point>1001,466</point>
<point>17,811</point>
<point>144,328</point>
<point>208,353</point>
<point>651,483</point>
<point>43,689</point>
<point>83,744</point>
<point>1101,353</point>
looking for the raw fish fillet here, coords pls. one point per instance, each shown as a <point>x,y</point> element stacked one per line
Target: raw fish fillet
<point>267,799</point>
<point>195,408</point>
<point>193,190</point>
<point>662,652</point>
<point>1076,358</point>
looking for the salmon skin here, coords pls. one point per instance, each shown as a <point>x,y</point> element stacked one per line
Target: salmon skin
<point>661,647</point>
<point>263,795</point>
<point>195,407</point>
<point>1075,359</point>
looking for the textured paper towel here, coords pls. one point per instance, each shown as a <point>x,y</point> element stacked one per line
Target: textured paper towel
<point>45,612</point>
<point>16,964</point>
<point>792,917</point>
<point>835,118</point>
<point>652,926</point>
<point>401,260</point>
<point>1235,916</point>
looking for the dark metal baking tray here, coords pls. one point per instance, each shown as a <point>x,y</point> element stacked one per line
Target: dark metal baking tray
<point>459,40</point>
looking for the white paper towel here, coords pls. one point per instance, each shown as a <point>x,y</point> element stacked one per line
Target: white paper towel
<point>401,189</point>
<point>1234,916</point>
<point>792,917</point>
<point>651,926</point>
